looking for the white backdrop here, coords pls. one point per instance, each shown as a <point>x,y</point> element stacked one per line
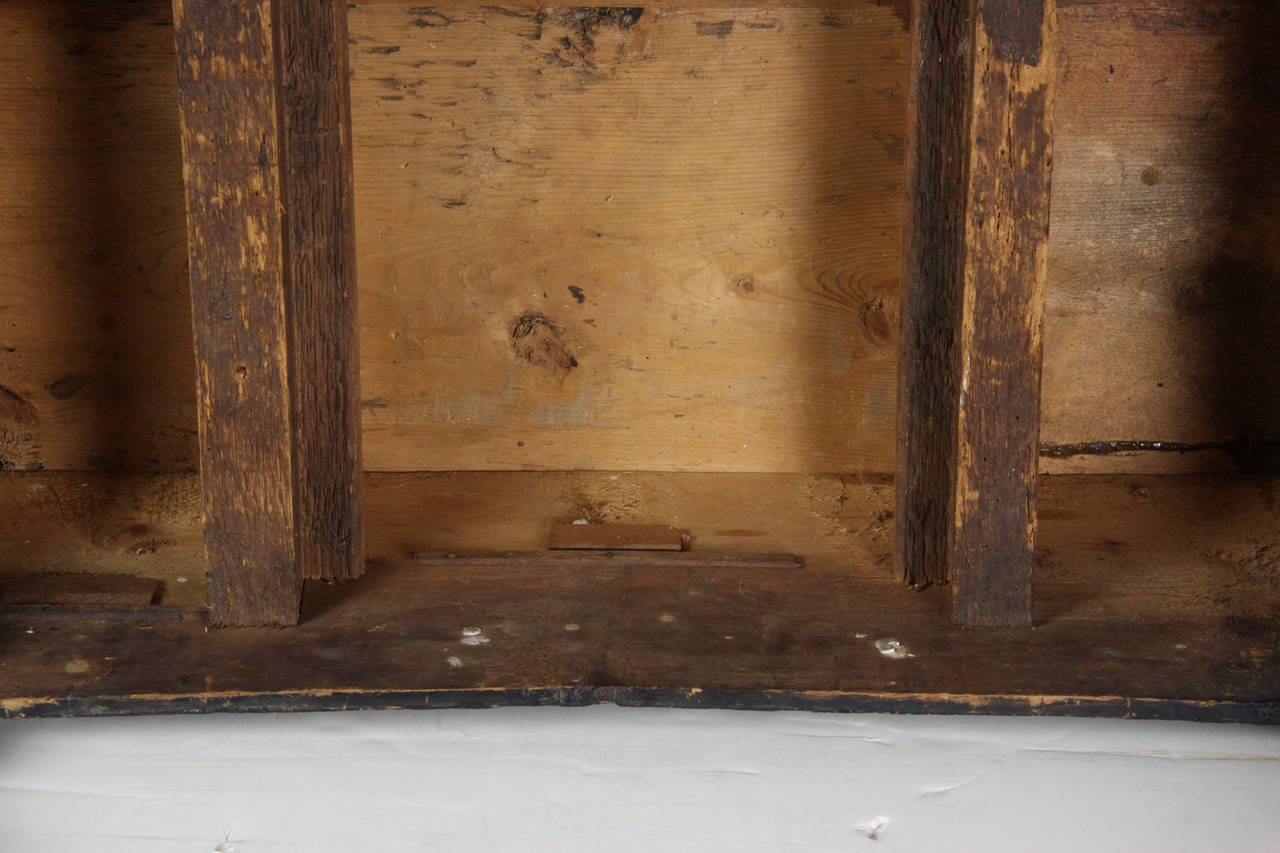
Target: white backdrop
<point>612,779</point>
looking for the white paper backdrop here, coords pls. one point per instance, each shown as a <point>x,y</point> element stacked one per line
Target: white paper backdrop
<point>612,779</point>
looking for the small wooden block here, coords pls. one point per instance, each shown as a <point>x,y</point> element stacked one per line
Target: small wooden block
<point>617,537</point>
<point>605,560</point>
<point>80,591</point>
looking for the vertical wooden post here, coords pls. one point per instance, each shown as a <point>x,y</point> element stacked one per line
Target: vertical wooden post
<point>980,160</point>
<point>266,152</point>
<point>322,262</point>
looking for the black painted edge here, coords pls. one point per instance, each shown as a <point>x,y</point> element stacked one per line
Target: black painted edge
<point>1258,713</point>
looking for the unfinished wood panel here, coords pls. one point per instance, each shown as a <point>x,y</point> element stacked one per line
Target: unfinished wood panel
<point>143,525</point>
<point>1162,590</point>
<point>1160,302</point>
<point>1163,306</point>
<point>95,311</point>
<point>320,243</point>
<point>606,537</point>
<point>647,239</point>
<point>972,304</point>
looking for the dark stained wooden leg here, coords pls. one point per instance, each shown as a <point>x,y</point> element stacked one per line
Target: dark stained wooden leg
<point>266,150</point>
<point>977,215</point>
<point>322,263</point>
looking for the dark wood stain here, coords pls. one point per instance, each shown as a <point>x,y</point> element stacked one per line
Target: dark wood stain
<point>231,143</point>
<point>266,143</point>
<point>972,294</point>
<point>929,305</point>
<point>1015,27</point>
<point>323,326</point>
<point>999,429</point>
<point>1256,713</point>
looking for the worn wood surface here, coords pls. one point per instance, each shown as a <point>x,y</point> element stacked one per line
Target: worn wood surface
<point>590,561</point>
<point>320,240</point>
<point>997,362</point>
<point>972,303</point>
<point>229,99</point>
<point>1154,595</point>
<point>661,241</point>
<point>605,537</point>
<point>83,590</point>
<point>931,293</point>
<point>267,164</point>
<point>313,74</point>
<point>1162,304</point>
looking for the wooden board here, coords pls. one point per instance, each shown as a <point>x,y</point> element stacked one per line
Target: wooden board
<point>599,560</point>
<point>979,162</point>
<point>234,166</point>
<point>324,359</point>
<point>694,209</point>
<point>266,143</point>
<point>72,590</point>
<point>1164,255</point>
<point>1146,337</point>
<point>1001,342</point>
<point>1156,596</point>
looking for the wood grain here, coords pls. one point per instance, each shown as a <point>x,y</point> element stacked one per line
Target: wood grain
<point>972,303</point>
<point>323,330</point>
<point>1000,347</point>
<point>231,150</point>
<point>1154,596</point>
<point>609,537</point>
<point>267,164</point>
<point>929,303</point>
<point>558,275</point>
<point>1162,304</point>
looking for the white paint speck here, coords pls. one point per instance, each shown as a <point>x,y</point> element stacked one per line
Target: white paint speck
<point>31,630</point>
<point>581,521</point>
<point>728,636</point>
<point>859,636</point>
<point>454,662</point>
<point>891,648</point>
<point>873,828</point>
<point>572,626</point>
<point>474,636</point>
<point>179,579</point>
<point>1182,647</point>
<point>666,617</point>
